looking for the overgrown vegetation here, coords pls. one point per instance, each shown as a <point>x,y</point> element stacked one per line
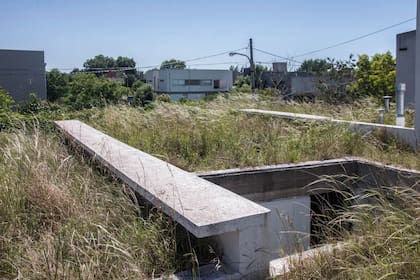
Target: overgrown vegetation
<point>214,135</point>
<point>383,244</point>
<point>62,219</point>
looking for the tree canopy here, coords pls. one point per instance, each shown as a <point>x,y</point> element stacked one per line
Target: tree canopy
<point>375,76</point>
<point>314,66</point>
<point>173,64</point>
<point>57,84</point>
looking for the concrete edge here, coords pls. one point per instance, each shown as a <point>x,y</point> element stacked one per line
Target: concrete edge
<point>200,231</point>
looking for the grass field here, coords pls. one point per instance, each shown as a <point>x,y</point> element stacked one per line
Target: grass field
<point>63,218</point>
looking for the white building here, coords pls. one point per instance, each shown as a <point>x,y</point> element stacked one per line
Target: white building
<point>189,83</point>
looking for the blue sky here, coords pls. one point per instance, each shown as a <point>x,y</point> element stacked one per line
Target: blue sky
<point>151,31</point>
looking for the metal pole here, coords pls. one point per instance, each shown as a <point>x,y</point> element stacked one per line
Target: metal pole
<point>400,104</point>
<point>251,62</point>
<point>387,100</point>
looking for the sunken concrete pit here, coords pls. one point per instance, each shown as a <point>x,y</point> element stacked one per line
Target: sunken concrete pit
<point>255,215</point>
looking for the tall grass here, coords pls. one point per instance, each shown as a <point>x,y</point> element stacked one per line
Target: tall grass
<point>214,135</point>
<point>62,219</point>
<point>384,241</point>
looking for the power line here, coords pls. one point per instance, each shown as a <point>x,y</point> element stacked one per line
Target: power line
<point>150,66</point>
<point>276,55</point>
<point>357,38</point>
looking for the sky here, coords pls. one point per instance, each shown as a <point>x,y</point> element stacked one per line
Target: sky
<point>151,31</point>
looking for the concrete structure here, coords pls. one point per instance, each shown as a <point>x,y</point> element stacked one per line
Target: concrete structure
<point>417,81</point>
<point>189,83</point>
<point>254,215</point>
<point>406,59</point>
<point>403,134</point>
<point>291,84</point>
<point>22,73</point>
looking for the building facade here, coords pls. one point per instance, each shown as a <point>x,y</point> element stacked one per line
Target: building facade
<point>22,73</point>
<point>189,83</point>
<point>406,59</point>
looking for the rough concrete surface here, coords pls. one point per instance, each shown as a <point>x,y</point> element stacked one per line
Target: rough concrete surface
<point>202,207</point>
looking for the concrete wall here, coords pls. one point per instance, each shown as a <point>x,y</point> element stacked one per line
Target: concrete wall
<point>23,72</point>
<point>406,56</point>
<point>304,86</point>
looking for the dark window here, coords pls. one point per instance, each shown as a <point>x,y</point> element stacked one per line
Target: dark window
<point>216,84</point>
<point>192,82</point>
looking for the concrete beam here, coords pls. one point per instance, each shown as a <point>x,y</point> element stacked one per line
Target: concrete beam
<point>203,208</point>
<point>403,134</point>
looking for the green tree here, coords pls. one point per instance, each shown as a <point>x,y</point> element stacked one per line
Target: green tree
<point>173,64</point>
<point>100,62</point>
<point>57,84</point>
<point>314,66</point>
<point>87,91</point>
<point>375,76</point>
<point>335,81</point>
<point>143,95</point>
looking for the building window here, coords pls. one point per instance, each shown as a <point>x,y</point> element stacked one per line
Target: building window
<point>206,82</point>
<point>216,84</point>
<point>192,82</point>
<point>178,82</point>
<point>161,81</point>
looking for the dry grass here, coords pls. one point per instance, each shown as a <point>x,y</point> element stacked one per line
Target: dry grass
<point>214,135</point>
<point>384,242</point>
<point>61,219</point>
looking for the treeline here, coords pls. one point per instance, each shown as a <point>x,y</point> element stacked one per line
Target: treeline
<point>91,86</point>
<point>346,80</point>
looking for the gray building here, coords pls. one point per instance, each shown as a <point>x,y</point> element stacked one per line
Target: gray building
<point>406,57</point>
<point>189,83</point>
<point>22,73</point>
<point>291,84</point>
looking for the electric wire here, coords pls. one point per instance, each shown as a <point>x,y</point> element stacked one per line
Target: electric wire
<point>355,39</point>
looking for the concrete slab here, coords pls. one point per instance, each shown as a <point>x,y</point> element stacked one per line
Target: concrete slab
<point>280,267</point>
<point>203,208</point>
<point>404,134</point>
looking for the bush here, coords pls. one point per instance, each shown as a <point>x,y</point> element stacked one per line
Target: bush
<point>143,95</point>
<point>6,101</point>
<point>87,91</point>
<point>32,105</point>
<point>163,98</point>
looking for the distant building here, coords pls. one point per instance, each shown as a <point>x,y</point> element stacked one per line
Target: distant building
<point>189,83</point>
<point>406,56</point>
<point>291,84</point>
<point>22,73</point>
<point>113,76</point>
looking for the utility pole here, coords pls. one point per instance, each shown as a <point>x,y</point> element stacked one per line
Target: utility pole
<point>251,61</point>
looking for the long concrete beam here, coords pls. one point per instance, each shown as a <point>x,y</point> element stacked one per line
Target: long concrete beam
<point>404,134</point>
<point>203,208</point>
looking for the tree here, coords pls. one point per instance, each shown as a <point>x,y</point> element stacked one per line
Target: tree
<point>335,81</point>
<point>375,76</point>
<point>87,91</point>
<point>100,62</point>
<point>143,95</point>
<point>314,66</point>
<point>173,64</point>
<point>57,84</point>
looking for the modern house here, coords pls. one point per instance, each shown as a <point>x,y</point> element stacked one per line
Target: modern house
<point>189,83</point>
<point>22,73</point>
<point>406,59</point>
